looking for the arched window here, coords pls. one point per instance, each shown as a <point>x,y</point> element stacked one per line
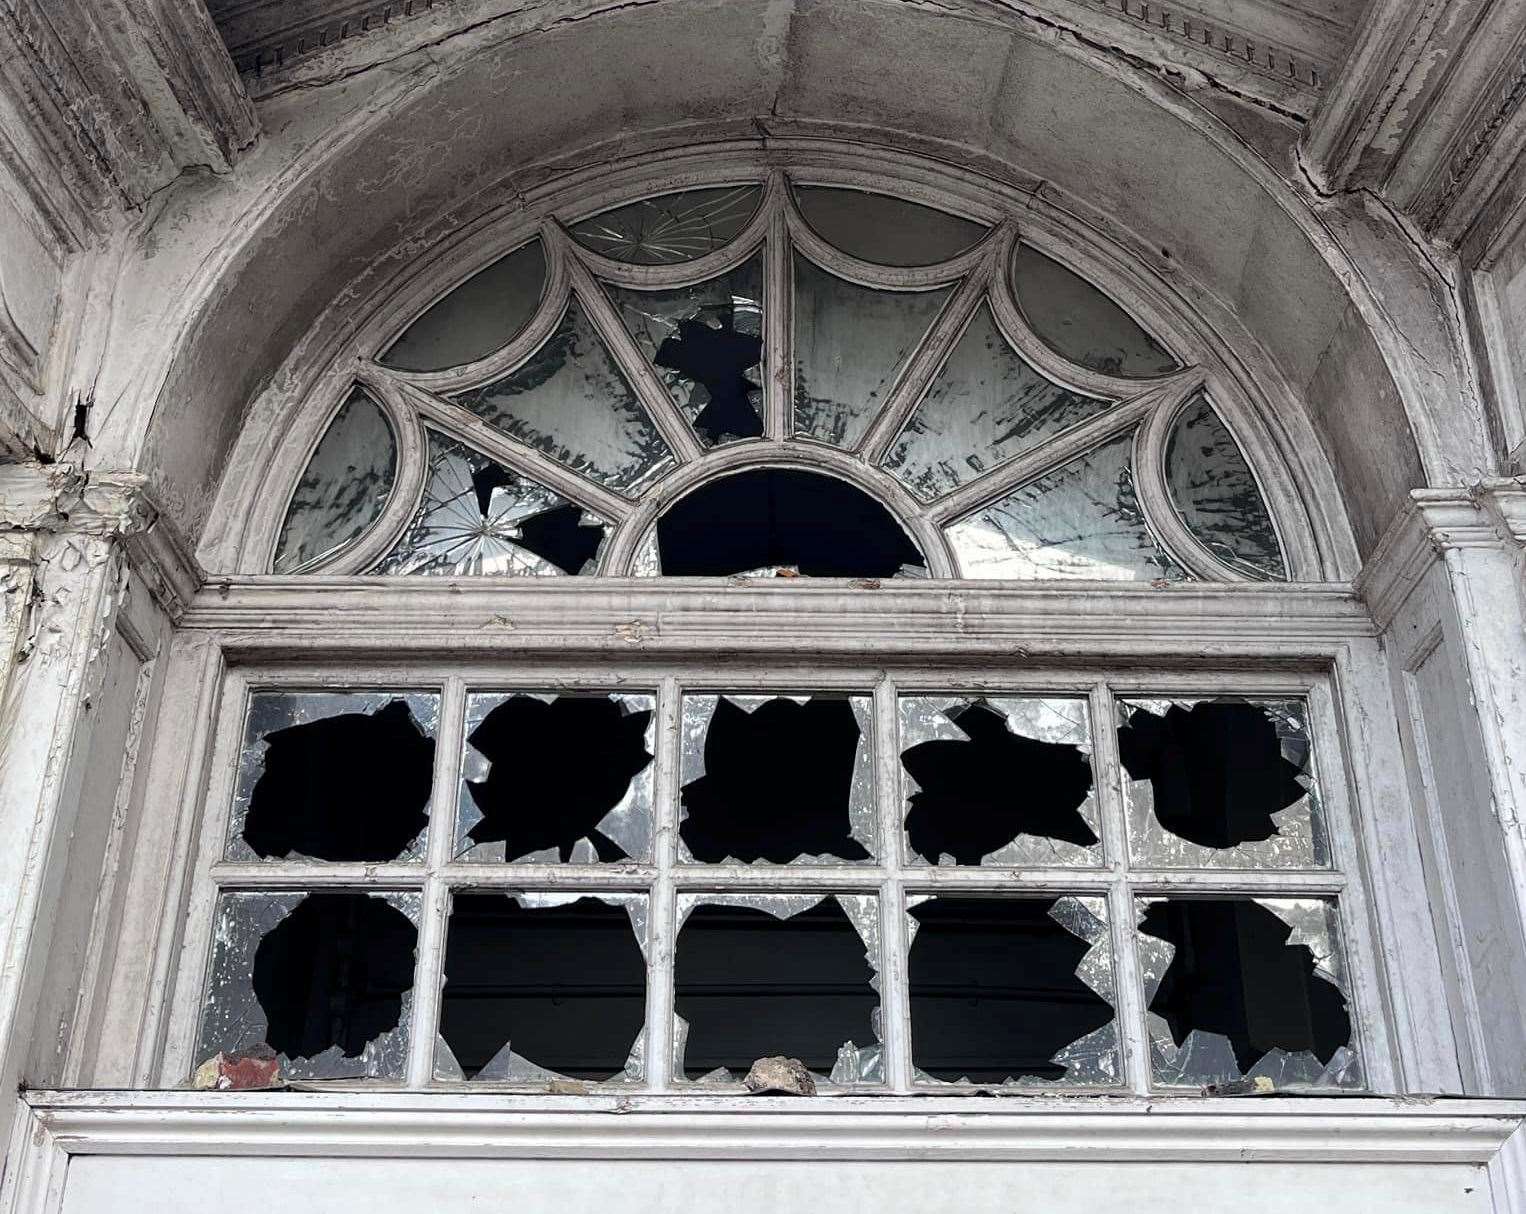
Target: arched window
<point>891,794</point>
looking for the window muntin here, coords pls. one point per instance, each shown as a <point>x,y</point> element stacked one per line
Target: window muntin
<point>955,391</point>
<point>1101,897</point>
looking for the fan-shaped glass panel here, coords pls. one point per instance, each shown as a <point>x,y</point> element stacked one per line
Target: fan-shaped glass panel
<point>344,488</point>
<point>670,228</point>
<point>571,401</point>
<point>1217,496</point>
<point>478,517</point>
<point>706,343</point>
<point>1078,321</point>
<point>850,343</point>
<point>1082,520</point>
<point>985,406</point>
<point>887,231</point>
<point>481,315</point>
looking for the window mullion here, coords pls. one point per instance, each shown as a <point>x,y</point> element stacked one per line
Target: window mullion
<point>662,925</point>
<point>1128,989</point>
<point>429,975</point>
<point>895,1009</point>
<point>778,358</point>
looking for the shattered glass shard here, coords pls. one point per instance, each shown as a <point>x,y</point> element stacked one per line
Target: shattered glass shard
<point>768,518</point>
<point>718,359</point>
<point>557,770</point>
<point>752,984</point>
<point>559,989</point>
<point>1217,770</point>
<point>333,973</point>
<point>670,228</point>
<point>994,989</point>
<point>353,787</point>
<point>732,812</point>
<point>976,796</point>
<point>562,537</point>
<point>1234,973</point>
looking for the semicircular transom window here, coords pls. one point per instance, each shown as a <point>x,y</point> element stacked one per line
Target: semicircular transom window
<point>812,381</point>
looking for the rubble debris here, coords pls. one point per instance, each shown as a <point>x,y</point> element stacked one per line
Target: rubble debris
<point>994,989</point>
<point>1216,770</point>
<point>259,1068</point>
<point>333,973</point>
<point>767,518</point>
<point>780,1076</point>
<point>557,769</point>
<point>353,787</point>
<point>736,811</point>
<point>1234,973</point>
<point>532,990</point>
<point>976,796</point>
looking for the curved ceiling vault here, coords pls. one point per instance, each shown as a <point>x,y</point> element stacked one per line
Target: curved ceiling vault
<point>355,177</point>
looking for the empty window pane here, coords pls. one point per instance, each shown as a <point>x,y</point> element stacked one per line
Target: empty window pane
<point>1007,990</point>
<point>998,781</point>
<point>557,778</point>
<point>771,975</point>
<point>344,488</point>
<point>670,228</point>
<point>777,779</point>
<point>324,979</point>
<point>542,986</point>
<point>1222,783</point>
<point>1246,988</point>
<point>890,231</point>
<point>334,776</point>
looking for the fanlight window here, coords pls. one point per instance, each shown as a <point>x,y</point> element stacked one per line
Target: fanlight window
<point>781,378</point>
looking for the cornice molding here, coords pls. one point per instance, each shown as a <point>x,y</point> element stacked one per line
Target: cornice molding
<point>38,500</point>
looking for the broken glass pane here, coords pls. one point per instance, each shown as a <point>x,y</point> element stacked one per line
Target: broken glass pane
<point>766,520</point>
<point>1079,322</point>
<point>998,781</point>
<point>472,320</point>
<point>1012,991</point>
<point>557,778</point>
<point>885,230</point>
<point>543,986</point>
<point>343,489</point>
<point>1217,496</point>
<point>670,228</point>
<point>334,775</point>
<point>571,402</point>
<point>1242,988</point>
<point>850,343</point>
<point>985,406</point>
<point>647,562</point>
<point>479,518</point>
<point>324,979</point>
<point>1221,783</point>
<point>777,778</point>
<point>766,975</point>
<point>1082,520</point>
<point>706,342</point>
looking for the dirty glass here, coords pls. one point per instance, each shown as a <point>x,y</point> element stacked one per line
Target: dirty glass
<point>477,518</point>
<point>998,781</point>
<point>472,320</point>
<point>1083,520</point>
<point>334,775</point>
<point>540,987</point>
<point>706,344</point>
<point>885,230</point>
<point>344,487</point>
<point>571,401</point>
<point>1246,988</point>
<point>1217,496</point>
<point>850,344</point>
<point>1221,783</point>
<point>1011,992</point>
<point>736,751</point>
<point>1079,322</point>
<point>670,228</point>
<point>547,778</point>
<point>324,979</point>
<point>758,975</point>
<point>784,521</point>
<point>985,406</point>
